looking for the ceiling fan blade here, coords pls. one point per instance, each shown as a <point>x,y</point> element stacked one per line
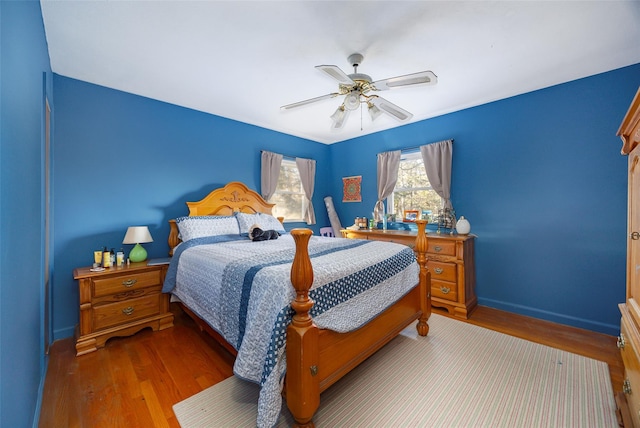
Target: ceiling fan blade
<point>421,78</point>
<point>391,109</point>
<point>337,74</point>
<point>309,101</point>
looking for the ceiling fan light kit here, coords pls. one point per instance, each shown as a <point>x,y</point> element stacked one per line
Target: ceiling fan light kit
<point>357,88</point>
<point>374,111</point>
<point>339,117</point>
<point>352,100</point>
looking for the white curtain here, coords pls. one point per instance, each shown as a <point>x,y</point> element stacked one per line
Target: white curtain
<point>388,163</point>
<point>269,173</point>
<point>307,170</point>
<point>437,162</point>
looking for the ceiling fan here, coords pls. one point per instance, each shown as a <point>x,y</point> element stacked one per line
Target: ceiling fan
<point>358,89</point>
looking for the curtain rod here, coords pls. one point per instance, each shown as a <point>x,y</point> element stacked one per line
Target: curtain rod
<point>283,156</point>
<point>417,147</point>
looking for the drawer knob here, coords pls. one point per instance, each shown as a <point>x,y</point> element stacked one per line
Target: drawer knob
<point>634,236</point>
<point>438,270</point>
<point>128,310</point>
<point>626,387</point>
<point>620,343</point>
<point>445,290</point>
<point>129,282</point>
<point>437,248</point>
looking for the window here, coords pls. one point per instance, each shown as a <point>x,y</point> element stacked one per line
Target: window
<point>413,190</point>
<point>289,195</point>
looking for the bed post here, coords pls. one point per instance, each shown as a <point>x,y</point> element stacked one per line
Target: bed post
<point>425,278</point>
<point>302,386</point>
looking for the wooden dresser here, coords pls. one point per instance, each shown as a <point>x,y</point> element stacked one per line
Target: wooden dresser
<point>450,261</point>
<point>120,301</point>
<point>629,340</point>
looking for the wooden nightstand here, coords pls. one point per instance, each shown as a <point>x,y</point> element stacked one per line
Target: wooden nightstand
<point>120,302</point>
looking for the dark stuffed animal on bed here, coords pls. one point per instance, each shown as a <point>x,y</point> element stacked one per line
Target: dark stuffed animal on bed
<point>257,234</point>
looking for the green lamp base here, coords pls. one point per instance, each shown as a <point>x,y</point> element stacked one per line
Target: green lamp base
<point>138,254</point>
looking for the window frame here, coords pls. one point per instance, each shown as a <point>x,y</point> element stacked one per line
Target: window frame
<point>406,156</point>
<point>291,164</point>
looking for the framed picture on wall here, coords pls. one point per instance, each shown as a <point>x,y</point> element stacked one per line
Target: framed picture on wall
<point>352,187</point>
<point>410,215</point>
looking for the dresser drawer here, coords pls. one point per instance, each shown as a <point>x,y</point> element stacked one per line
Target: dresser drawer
<point>380,238</point>
<point>121,283</point>
<point>119,313</point>
<point>441,247</point>
<point>444,290</point>
<point>441,271</point>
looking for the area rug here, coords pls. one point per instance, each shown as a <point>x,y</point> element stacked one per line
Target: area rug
<point>460,375</point>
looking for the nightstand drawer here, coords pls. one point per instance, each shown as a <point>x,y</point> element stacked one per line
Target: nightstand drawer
<point>113,314</point>
<point>442,271</point>
<point>444,290</point>
<point>441,247</point>
<point>120,283</point>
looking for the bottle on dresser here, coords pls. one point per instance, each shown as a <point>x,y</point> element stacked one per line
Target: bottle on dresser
<point>106,258</point>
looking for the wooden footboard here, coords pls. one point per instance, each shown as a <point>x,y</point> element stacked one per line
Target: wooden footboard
<point>318,358</point>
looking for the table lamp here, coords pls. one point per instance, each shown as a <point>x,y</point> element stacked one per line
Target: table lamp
<point>137,235</point>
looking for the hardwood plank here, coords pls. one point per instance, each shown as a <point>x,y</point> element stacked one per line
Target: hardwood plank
<point>134,381</point>
<point>133,410</point>
<point>155,407</point>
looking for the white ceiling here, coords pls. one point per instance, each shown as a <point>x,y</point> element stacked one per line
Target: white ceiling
<point>245,59</point>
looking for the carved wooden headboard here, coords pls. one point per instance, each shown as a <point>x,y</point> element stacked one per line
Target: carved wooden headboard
<point>233,198</point>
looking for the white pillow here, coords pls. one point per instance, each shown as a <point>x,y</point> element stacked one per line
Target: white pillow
<point>265,221</point>
<point>200,226</point>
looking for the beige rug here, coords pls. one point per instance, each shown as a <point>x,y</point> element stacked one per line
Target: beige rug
<point>460,375</point>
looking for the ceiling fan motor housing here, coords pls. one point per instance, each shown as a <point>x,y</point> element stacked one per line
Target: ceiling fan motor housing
<point>360,78</point>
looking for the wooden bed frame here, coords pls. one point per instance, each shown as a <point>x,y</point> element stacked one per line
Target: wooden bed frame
<point>317,358</point>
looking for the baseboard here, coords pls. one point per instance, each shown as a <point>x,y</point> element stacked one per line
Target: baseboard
<point>611,330</point>
<point>63,333</point>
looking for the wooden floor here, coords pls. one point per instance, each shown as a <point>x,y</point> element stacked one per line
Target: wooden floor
<point>134,381</point>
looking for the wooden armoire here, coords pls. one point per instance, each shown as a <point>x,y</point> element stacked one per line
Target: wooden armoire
<point>629,339</point>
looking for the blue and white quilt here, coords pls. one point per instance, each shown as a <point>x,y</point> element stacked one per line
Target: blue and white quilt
<point>243,290</point>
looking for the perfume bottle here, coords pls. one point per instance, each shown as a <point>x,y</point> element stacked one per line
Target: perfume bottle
<point>120,258</point>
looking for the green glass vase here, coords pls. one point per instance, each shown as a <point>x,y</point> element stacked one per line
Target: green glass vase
<point>138,254</point>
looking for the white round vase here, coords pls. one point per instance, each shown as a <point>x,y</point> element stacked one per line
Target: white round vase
<point>462,226</point>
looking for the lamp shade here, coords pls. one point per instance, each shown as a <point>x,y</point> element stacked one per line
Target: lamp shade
<point>339,117</point>
<point>374,111</point>
<point>352,101</point>
<point>137,235</point>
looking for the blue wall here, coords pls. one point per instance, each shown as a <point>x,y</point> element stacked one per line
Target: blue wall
<point>25,77</point>
<point>539,176</point>
<point>123,160</point>
<point>541,180</point>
